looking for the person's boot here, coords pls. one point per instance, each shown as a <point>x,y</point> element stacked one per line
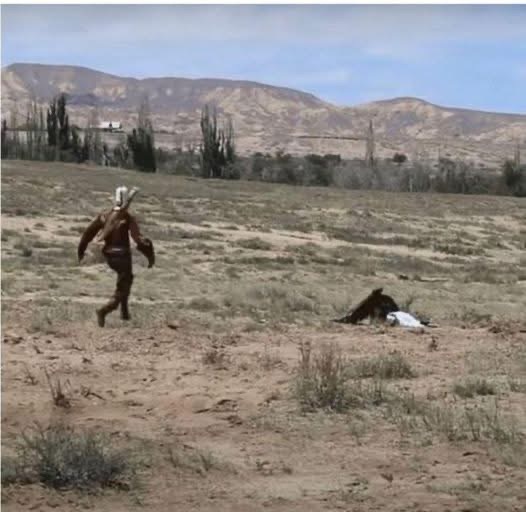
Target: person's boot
<point>101,317</point>
<point>108,308</point>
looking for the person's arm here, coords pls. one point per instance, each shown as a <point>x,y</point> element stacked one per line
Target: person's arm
<point>144,245</point>
<point>135,232</point>
<point>88,235</point>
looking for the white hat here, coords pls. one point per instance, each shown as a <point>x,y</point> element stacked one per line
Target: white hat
<point>121,196</point>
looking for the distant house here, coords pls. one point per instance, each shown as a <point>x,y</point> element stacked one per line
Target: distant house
<point>110,126</point>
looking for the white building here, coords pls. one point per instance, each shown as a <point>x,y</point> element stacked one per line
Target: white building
<point>110,126</point>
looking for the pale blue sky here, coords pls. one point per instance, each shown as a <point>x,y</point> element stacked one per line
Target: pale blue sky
<point>471,56</point>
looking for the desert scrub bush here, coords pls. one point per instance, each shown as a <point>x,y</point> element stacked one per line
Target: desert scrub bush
<point>280,296</point>
<point>362,394</point>
<point>202,304</point>
<point>457,249</point>
<point>42,322</point>
<point>191,459</point>
<point>473,386</point>
<point>454,422</point>
<point>51,313</point>
<point>516,385</point>
<point>199,234</point>
<point>215,356</point>
<point>322,382</point>
<point>256,244</point>
<point>321,379</point>
<point>23,248</point>
<point>62,458</point>
<point>483,271</point>
<point>269,358</point>
<point>307,249</point>
<point>389,366</point>
<point>8,233</point>
<point>469,316</point>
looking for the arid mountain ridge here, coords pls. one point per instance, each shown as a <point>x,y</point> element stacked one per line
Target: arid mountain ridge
<point>266,117</point>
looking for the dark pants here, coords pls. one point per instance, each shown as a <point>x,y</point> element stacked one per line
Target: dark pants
<point>122,265</point>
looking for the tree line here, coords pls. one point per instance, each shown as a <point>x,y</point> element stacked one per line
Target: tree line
<point>50,136</point>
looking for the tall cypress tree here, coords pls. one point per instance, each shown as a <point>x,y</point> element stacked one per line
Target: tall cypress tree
<point>63,121</point>
<point>76,147</point>
<point>52,123</point>
<point>141,141</point>
<point>5,149</point>
<point>230,150</point>
<point>217,146</point>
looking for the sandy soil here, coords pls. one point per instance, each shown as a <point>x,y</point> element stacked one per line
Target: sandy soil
<point>205,370</point>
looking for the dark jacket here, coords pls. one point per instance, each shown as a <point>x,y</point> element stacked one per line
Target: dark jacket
<point>117,239</point>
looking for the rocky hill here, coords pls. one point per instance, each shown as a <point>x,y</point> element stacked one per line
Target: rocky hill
<point>267,118</point>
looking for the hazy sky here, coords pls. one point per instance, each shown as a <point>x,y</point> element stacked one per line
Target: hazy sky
<point>470,56</point>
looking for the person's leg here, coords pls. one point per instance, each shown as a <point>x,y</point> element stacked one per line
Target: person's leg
<point>125,288</point>
<point>119,265</point>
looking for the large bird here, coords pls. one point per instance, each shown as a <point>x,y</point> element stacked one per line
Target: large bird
<point>375,305</point>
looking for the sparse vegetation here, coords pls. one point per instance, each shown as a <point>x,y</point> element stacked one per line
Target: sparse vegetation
<point>390,366</point>
<point>63,458</point>
<point>256,244</point>
<point>269,358</point>
<point>187,458</point>
<point>210,354</point>
<point>472,387</point>
<point>456,422</point>
<point>321,380</point>
<point>57,393</point>
<point>202,304</point>
<point>215,356</point>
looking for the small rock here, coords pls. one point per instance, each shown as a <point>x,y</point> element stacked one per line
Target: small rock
<point>234,419</point>
<point>133,403</point>
<point>387,476</point>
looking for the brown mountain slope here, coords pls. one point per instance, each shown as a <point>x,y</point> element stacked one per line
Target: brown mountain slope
<point>268,117</point>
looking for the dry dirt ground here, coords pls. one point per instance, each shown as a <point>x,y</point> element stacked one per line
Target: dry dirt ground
<point>200,385</point>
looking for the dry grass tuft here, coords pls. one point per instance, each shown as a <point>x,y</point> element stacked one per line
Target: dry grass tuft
<point>62,458</point>
<point>390,366</point>
<point>321,379</point>
<point>57,395</point>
